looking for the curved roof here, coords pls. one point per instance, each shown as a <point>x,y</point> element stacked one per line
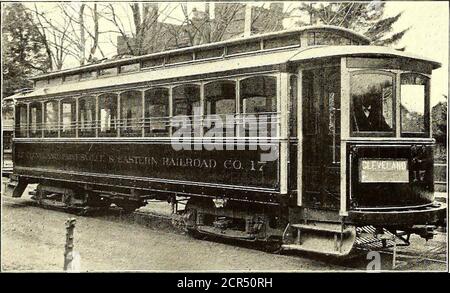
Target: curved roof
<point>158,74</point>
<point>353,34</point>
<point>223,65</point>
<point>359,36</point>
<point>341,51</point>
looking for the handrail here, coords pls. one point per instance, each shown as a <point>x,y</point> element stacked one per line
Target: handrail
<point>147,124</point>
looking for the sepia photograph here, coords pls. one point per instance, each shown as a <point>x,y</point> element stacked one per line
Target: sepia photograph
<point>212,136</point>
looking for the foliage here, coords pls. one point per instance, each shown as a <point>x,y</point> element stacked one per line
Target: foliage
<point>439,122</point>
<point>79,30</point>
<point>23,54</point>
<point>363,17</point>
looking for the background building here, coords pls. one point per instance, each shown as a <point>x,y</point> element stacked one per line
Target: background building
<point>230,20</point>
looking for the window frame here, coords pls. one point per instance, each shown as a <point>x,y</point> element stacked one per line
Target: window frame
<point>293,104</point>
<point>272,114</point>
<point>21,127</point>
<point>54,130</point>
<point>241,98</point>
<point>73,122</point>
<point>148,132</point>
<point>95,98</point>
<point>211,119</point>
<point>130,128</point>
<point>113,130</point>
<point>189,84</point>
<point>394,105</point>
<point>175,118</point>
<point>230,81</point>
<point>426,115</point>
<point>39,122</point>
<point>91,132</point>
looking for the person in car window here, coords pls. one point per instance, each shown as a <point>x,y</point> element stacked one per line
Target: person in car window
<point>368,115</point>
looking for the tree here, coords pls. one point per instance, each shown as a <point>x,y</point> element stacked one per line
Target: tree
<point>215,31</point>
<point>149,27</point>
<point>365,18</point>
<point>439,122</point>
<point>23,53</point>
<point>228,21</point>
<point>68,31</point>
<point>141,33</point>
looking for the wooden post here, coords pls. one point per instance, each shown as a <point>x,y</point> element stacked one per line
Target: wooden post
<point>68,249</point>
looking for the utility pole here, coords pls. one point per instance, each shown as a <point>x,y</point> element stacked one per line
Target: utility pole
<point>248,20</point>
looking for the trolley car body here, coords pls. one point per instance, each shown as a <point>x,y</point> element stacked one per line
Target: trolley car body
<point>7,135</point>
<point>102,132</point>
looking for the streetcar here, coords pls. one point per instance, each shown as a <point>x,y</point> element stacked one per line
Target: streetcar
<point>7,135</point>
<point>297,138</point>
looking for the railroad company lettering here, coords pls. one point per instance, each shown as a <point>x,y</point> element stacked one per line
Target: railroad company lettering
<point>189,162</point>
<point>237,167</point>
<point>61,157</point>
<point>138,160</point>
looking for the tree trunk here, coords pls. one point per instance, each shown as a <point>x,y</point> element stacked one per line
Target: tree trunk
<point>82,45</point>
<point>96,34</point>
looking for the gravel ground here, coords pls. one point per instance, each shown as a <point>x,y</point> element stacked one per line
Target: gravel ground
<point>33,240</point>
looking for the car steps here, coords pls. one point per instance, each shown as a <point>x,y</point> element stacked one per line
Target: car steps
<point>318,237</point>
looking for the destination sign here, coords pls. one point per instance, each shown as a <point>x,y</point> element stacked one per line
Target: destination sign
<point>372,171</point>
